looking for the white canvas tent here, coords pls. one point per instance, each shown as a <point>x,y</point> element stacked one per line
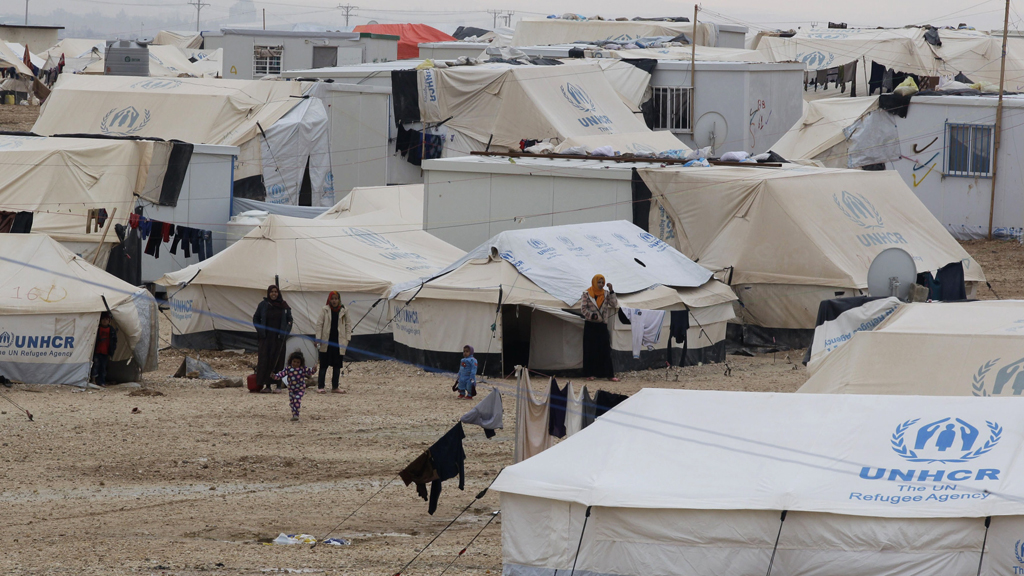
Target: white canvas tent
<point>61,179</point>
<point>787,238</point>
<point>509,298</point>
<point>164,62</point>
<point>931,349</point>
<point>842,133</point>
<point>569,105</point>
<point>51,311</point>
<point>182,40</point>
<point>547,31</point>
<point>78,54</point>
<point>361,257</point>
<point>277,130</point>
<point>405,202</point>
<point>695,482</point>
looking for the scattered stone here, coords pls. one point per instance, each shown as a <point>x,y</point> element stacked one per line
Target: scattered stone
<point>145,392</point>
<point>227,383</point>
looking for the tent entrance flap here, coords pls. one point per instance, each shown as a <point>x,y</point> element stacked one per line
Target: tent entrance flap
<point>516,324</point>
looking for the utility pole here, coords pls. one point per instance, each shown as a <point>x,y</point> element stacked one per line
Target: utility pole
<point>999,121</point>
<point>26,12</point>
<point>199,4</point>
<point>505,15</point>
<point>348,8</point>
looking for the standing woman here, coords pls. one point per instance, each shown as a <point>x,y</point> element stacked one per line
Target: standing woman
<point>598,306</point>
<point>273,322</point>
<point>333,332</point>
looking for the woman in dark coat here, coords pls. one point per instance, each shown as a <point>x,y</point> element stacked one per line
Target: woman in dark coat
<point>273,322</point>
<point>598,306</point>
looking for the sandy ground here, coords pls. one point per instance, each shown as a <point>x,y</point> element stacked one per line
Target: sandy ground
<point>18,118</point>
<point>198,477</point>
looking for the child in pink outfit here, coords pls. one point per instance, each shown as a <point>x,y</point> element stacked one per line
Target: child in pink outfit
<point>296,372</point>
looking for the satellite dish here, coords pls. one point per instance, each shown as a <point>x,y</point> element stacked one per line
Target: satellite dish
<point>371,22</point>
<point>892,273</point>
<point>710,130</point>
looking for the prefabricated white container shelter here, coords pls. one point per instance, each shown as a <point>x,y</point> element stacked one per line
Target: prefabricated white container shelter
<point>51,309</point>
<point>452,50</point>
<point>251,54</point>
<point>361,257</point>
<point>707,482</point>
<point>545,31</point>
<point>930,349</point>
<point>516,300</point>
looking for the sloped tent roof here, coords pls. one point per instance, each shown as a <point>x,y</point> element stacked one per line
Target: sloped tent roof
<point>368,253</point>
<point>548,31</point>
<point>183,40</point>
<point>799,225</point>
<point>208,63</point>
<point>411,36</point>
<point>763,451</point>
<point>975,53</point>
<point>703,54</point>
<point>573,104</point>
<point>74,287</point>
<point>62,178</point>
<point>931,349</point>
<point>37,61</point>
<point>823,127</point>
<point>405,202</point>
<point>8,59</point>
<point>78,53</point>
<point>558,263</point>
<point>164,62</point>
<point>195,110</point>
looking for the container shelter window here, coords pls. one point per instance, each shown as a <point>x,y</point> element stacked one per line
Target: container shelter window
<point>969,150</point>
<point>672,108</point>
<point>266,60</point>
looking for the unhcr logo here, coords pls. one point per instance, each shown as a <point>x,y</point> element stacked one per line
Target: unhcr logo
<point>371,238</point>
<point>859,210</point>
<point>1018,551</point>
<point>578,97</point>
<point>124,122</point>
<point>1011,374</point>
<point>157,84</point>
<point>6,339</point>
<point>816,60</point>
<point>947,440</point>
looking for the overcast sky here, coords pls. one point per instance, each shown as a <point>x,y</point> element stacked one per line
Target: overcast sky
<point>446,14</point>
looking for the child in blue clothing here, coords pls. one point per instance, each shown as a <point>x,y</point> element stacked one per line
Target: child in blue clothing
<point>467,374</point>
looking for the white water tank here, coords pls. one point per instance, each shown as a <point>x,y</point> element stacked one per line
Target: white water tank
<point>242,224</point>
<point>126,58</point>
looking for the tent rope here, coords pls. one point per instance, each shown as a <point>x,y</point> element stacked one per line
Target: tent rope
<point>8,398</point>
<point>463,551</point>
<point>777,537</point>
<point>353,513</point>
<point>988,522</point>
<point>580,544</point>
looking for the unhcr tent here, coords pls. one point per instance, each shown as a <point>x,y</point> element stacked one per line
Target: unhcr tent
<point>361,257</point>
<point>61,179</point>
<point>495,106</point>
<point>842,133</point>
<point>279,133</point>
<point>51,311</point>
<point>164,62</point>
<point>548,31</point>
<point>787,238</point>
<point>515,299</point>
<point>701,482</point>
<point>931,349</point>
<point>78,54</point>
<point>182,40</point>
<point>406,202</point>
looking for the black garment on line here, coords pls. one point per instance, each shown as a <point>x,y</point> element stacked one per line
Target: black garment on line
<point>895,104</point>
<point>405,95</point>
<point>556,421</point>
<point>605,401</point>
<point>875,82</point>
<point>589,409</point>
<point>449,460</point>
<point>177,165</point>
<point>597,350</point>
<point>156,237</point>
<point>679,324</point>
<point>126,258</point>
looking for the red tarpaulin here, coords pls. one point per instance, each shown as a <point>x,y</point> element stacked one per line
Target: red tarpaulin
<point>412,35</point>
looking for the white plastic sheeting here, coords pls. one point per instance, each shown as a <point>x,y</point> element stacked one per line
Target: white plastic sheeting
<point>834,333</point>
<point>873,139</point>
<point>303,128</point>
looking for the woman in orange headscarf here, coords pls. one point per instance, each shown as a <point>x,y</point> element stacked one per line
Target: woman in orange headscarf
<point>598,305</point>
<point>333,332</point>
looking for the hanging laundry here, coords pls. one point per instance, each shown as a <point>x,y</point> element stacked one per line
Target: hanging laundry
<point>532,416</point>
<point>133,221</point>
<point>574,409</point>
<point>421,472</point>
<point>182,235</point>
<point>101,217</point>
<point>166,231</point>
<point>678,326</point>
<point>646,327</point>
<point>156,237</point>
<point>449,459</point>
<point>589,409</point>
<point>145,227</point>
<point>208,241</point>
<point>487,414</point>
<point>556,422</point>
<point>606,401</point>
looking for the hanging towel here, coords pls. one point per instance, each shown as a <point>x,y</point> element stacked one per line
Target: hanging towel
<point>556,423</point>
<point>531,419</point>
<point>487,414</point>
<point>646,327</point>
<point>574,409</point>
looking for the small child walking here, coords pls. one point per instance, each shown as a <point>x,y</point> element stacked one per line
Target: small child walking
<point>106,345</point>
<point>296,372</point>
<point>467,374</point>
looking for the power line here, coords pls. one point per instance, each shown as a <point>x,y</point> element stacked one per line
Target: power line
<point>347,8</point>
<point>199,4</point>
